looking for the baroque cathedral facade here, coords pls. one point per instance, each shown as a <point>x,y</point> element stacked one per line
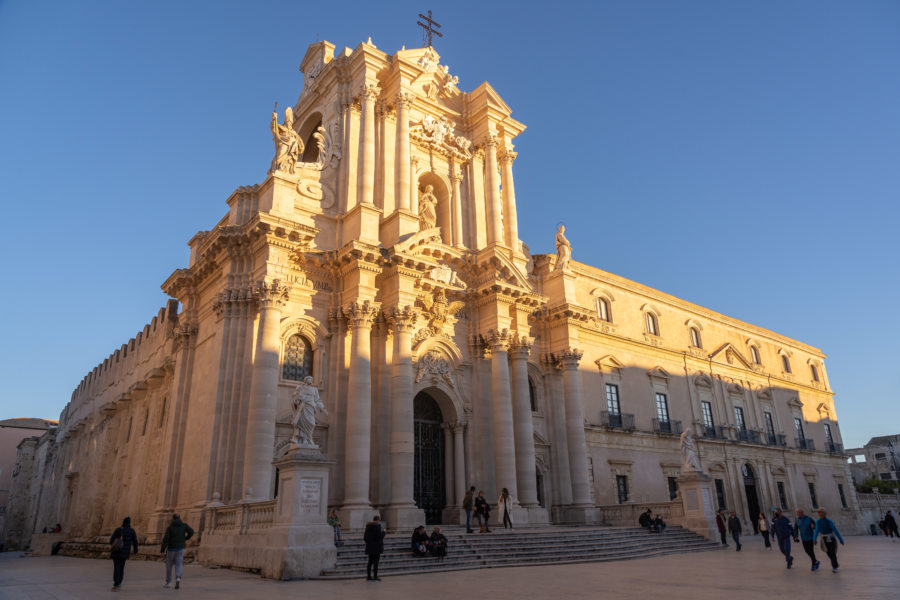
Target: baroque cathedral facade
<point>381,257</point>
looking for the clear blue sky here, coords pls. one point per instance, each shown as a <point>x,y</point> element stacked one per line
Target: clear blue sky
<point>743,156</point>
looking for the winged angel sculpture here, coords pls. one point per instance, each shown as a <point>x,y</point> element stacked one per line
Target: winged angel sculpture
<point>439,309</point>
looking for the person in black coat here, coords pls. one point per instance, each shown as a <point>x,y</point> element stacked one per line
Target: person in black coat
<point>483,511</point>
<point>890,525</point>
<point>734,526</point>
<point>122,541</point>
<point>419,543</point>
<point>437,543</point>
<point>374,538</point>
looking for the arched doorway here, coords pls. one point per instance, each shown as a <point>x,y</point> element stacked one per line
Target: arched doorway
<point>752,498</point>
<point>428,485</point>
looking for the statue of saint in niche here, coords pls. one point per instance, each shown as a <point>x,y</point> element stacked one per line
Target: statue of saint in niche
<point>288,145</point>
<point>563,250</point>
<point>427,208</point>
<point>306,403</point>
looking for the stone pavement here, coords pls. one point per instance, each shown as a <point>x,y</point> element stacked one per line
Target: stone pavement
<point>870,568</point>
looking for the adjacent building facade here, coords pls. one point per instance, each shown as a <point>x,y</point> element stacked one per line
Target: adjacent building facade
<point>381,257</point>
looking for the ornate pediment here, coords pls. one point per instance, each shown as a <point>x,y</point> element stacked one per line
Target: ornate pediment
<point>433,364</point>
<point>609,363</point>
<point>438,135</point>
<point>728,353</point>
<point>658,373</point>
<point>703,380</point>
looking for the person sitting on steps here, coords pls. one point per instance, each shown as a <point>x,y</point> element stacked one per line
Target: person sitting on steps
<point>419,543</point>
<point>437,544</point>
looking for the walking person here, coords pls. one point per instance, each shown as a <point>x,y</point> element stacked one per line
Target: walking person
<point>830,537</point>
<point>483,511</point>
<point>374,539</point>
<point>720,523</point>
<point>782,530</point>
<point>504,505</point>
<point>804,527</point>
<point>468,504</point>
<point>890,525</point>
<point>335,521</point>
<point>763,524</point>
<point>734,526</point>
<point>177,534</point>
<point>122,541</point>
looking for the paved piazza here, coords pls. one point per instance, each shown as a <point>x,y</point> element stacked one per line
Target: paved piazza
<point>870,568</point>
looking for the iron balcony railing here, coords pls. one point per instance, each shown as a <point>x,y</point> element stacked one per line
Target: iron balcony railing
<point>673,427</point>
<point>750,436</point>
<point>714,432</point>
<point>617,420</point>
<point>833,448</point>
<point>805,444</point>
<point>776,439</point>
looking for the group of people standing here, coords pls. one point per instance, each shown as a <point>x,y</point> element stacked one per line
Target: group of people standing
<point>482,509</point>
<point>804,529</point>
<point>124,543</point>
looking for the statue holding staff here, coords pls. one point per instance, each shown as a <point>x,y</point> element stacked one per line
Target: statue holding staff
<point>288,145</point>
<point>689,460</point>
<point>306,402</point>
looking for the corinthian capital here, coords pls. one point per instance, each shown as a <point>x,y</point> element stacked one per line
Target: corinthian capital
<point>519,347</point>
<point>489,141</point>
<point>369,91</point>
<point>569,358</point>
<point>361,314</point>
<point>498,340</point>
<point>271,294</point>
<point>404,100</point>
<point>507,156</point>
<point>401,319</point>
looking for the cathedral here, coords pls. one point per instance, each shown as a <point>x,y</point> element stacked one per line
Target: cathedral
<point>380,257</point>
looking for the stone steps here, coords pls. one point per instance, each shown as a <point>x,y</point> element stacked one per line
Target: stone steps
<point>519,547</point>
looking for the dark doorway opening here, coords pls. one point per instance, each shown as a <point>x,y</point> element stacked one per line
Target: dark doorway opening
<point>752,498</point>
<point>429,457</point>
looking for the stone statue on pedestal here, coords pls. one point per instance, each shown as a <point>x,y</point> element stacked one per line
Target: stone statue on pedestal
<point>563,250</point>
<point>690,464</point>
<point>427,210</point>
<point>306,403</point>
<point>288,145</point>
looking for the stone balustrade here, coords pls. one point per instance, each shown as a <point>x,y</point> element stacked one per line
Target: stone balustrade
<point>627,514</point>
<point>240,518</point>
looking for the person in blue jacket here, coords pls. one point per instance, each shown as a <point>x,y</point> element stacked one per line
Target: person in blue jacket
<point>804,526</point>
<point>781,528</point>
<point>830,537</point>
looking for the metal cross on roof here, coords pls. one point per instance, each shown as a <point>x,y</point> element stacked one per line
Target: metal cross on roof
<point>429,30</point>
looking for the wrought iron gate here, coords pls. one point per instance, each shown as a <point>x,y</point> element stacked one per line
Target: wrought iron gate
<point>429,457</point>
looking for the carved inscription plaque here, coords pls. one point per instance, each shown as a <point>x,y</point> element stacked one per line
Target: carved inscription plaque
<point>693,502</point>
<point>310,495</point>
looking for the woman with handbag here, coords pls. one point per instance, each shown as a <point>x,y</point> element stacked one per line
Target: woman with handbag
<point>830,537</point>
<point>122,541</point>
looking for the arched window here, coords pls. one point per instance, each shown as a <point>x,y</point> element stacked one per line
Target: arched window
<point>786,363</point>
<point>531,395</point>
<point>298,358</point>
<point>652,324</point>
<point>603,310</point>
<point>754,355</point>
<point>815,373</point>
<point>695,338</point>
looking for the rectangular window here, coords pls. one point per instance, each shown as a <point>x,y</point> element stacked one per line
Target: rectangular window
<point>673,488</point>
<point>880,456</point>
<point>622,488</point>
<point>885,476</point>
<point>612,399</point>
<point>786,363</point>
<point>815,372</point>
<point>798,425</point>
<point>812,495</point>
<point>739,418</point>
<point>770,425</point>
<point>720,494</point>
<point>782,497</point>
<point>706,407</point>
<point>662,408</point>
<point>841,494</point>
<point>828,437</point>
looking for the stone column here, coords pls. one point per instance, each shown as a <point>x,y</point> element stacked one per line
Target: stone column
<point>402,511</point>
<point>456,212</point>
<point>448,466</point>
<point>367,186</point>
<point>560,450</point>
<point>509,200</point>
<point>357,467</point>
<point>501,408</point>
<point>459,463</point>
<point>404,100</point>
<point>413,185</point>
<point>495,225</point>
<point>581,492</point>
<point>519,348</point>
<point>260,441</point>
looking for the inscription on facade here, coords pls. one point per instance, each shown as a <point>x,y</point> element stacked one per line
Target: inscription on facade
<point>321,286</point>
<point>310,494</point>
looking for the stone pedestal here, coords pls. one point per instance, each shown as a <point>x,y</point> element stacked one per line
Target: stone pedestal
<point>361,223</point>
<point>398,227</point>
<point>698,496</point>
